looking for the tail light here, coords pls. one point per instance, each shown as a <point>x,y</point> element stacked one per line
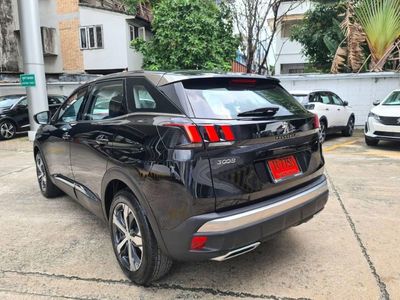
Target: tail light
<point>209,133</point>
<point>198,242</point>
<point>191,131</point>
<point>316,122</point>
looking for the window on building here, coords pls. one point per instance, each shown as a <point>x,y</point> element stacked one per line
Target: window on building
<point>137,32</point>
<point>82,32</point>
<point>91,37</point>
<point>133,32</point>
<point>294,68</point>
<point>287,27</point>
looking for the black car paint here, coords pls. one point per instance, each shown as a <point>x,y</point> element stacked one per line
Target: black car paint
<point>90,159</point>
<point>18,114</point>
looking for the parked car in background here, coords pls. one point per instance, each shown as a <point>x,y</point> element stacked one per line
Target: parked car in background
<point>334,114</point>
<point>184,166</point>
<point>383,121</point>
<point>14,115</point>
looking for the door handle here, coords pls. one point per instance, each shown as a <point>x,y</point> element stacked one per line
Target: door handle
<point>102,141</point>
<point>66,136</point>
<point>327,109</point>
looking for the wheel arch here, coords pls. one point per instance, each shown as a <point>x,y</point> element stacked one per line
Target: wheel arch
<point>324,119</point>
<point>115,180</point>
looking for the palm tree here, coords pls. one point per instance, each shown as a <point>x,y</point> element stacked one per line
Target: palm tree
<point>350,52</point>
<point>380,20</point>
<point>375,21</point>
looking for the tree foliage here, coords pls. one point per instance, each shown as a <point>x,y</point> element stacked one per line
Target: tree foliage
<point>320,34</point>
<point>380,20</point>
<point>189,34</point>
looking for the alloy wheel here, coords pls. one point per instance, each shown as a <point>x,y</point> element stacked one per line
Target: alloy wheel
<point>351,126</point>
<point>127,237</point>
<point>7,130</point>
<point>41,173</point>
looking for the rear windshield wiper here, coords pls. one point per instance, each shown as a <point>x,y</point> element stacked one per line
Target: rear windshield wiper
<point>265,111</point>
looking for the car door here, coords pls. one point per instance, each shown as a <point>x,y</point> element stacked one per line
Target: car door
<point>92,139</point>
<point>57,141</point>
<point>343,114</point>
<point>324,107</point>
<point>22,115</point>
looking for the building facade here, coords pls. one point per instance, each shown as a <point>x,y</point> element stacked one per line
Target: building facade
<point>78,36</point>
<point>287,57</point>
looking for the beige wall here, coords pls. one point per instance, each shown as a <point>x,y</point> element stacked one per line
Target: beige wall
<point>69,35</point>
<point>67,6</point>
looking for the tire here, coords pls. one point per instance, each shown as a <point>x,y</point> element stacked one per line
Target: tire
<point>371,141</point>
<point>7,130</point>
<point>47,187</point>
<point>349,128</point>
<point>138,254</point>
<point>322,131</point>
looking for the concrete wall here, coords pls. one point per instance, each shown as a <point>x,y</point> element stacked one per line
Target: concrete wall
<point>59,88</point>
<point>360,90</point>
<point>9,50</point>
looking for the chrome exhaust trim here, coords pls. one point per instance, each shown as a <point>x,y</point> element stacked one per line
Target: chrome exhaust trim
<point>237,252</point>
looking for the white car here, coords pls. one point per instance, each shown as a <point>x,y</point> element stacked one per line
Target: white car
<point>383,121</point>
<point>334,113</point>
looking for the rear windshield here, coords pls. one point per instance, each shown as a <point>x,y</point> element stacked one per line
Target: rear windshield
<point>225,98</point>
<point>303,99</point>
<point>393,99</point>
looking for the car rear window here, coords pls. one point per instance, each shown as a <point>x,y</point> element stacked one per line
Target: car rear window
<point>225,98</point>
<point>303,99</point>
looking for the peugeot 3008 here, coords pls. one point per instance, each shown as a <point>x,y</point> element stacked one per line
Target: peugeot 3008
<point>183,166</point>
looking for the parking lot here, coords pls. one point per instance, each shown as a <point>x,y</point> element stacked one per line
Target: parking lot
<point>52,248</point>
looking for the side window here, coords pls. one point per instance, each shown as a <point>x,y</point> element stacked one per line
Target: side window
<point>53,100</point>
<point>106,101</point>
<point>143,98</point>
<point>337,100</point>
<point>325,99</point>
<point>70,109</point>
<point>313,98</point>
<point>24,102</point>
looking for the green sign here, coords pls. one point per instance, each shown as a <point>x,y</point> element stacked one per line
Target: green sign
<point>27,79</point>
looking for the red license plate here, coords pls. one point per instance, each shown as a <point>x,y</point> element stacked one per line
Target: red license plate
<point>284,167</point>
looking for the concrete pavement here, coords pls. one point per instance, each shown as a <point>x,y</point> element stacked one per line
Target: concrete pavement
<point>53,248</point>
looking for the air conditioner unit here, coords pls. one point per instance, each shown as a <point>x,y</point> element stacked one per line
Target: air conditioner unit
<point>49,41</point>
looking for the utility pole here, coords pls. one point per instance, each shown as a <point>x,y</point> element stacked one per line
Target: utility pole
<point>32,52</point>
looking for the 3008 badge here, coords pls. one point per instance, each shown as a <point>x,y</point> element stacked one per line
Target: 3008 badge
<point>226,161</point>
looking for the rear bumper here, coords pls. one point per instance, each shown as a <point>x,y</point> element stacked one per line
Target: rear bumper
<point>242,229</point>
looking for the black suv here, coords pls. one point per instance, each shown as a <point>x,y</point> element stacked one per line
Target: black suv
<point>14,115</point>
<point>183,166</point>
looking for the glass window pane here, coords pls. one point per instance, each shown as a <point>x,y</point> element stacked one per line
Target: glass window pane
<point>91,38</point>
<point>107,101</point>
<point>83,38</point>
<point>337,100</point>
<point>99,36</point>
<point>143,99</point>
<point>69,111</point>
<point>223,99</point>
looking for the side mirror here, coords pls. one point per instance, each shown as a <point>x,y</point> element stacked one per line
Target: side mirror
<point>376,102</point>
<point>42,118</point>
<point>345,103</point>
